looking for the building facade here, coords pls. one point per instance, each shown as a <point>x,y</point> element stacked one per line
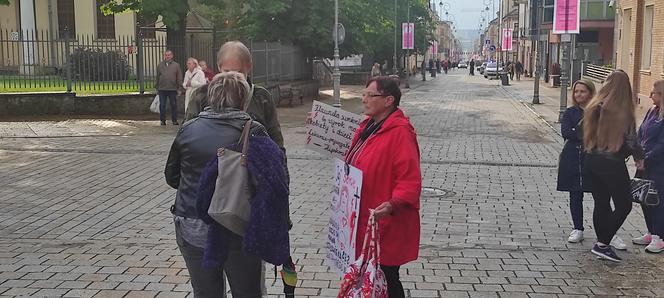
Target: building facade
<point>640,36</point>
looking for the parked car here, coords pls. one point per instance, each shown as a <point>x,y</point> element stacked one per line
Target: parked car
<point>492,70</point>
<point>463,65</point>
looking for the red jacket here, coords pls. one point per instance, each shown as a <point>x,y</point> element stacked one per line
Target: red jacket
<point>390,165</point>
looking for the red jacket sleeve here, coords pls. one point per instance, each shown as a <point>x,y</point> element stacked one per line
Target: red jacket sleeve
<point>406,169</point>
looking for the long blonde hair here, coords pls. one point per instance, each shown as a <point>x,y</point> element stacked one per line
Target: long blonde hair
<point>609,115</point>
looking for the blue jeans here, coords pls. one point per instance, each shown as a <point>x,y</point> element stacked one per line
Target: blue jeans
<point>576,208</point>
<point>171,96</point>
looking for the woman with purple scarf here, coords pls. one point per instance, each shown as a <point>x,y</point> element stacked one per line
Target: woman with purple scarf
<point>210,250</point>
<point>651,138</point>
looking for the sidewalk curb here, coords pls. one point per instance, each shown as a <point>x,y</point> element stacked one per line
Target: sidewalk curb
<point>524,102</point>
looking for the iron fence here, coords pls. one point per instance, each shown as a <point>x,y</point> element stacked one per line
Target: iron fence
<point>39,61</point>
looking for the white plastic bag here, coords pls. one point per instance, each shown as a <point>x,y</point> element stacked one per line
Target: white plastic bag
<point>154,107</point>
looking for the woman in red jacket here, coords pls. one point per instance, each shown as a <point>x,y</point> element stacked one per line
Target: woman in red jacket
<point>385,149</point>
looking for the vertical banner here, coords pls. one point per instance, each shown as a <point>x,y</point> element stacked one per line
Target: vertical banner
<point>408,36</point>
<point>344,214</point>
<point>507,39</point>
<point>566,17</point>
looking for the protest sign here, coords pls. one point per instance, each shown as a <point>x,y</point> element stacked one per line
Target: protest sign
<point>344,213</point>
<point>330,130</point>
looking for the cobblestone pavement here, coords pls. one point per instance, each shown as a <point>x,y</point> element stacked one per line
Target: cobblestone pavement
<point>85,208</point>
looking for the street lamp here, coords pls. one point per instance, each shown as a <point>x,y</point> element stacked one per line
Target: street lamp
<point>336,76</point>
<point>394,63</point>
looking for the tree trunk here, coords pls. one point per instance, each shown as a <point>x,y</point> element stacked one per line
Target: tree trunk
<point>176,41</point>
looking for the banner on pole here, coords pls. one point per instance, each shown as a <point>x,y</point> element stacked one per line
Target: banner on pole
<point>566,17</point>
<point>507,39</point>
<point>344,214</point>
<point>408,36</point>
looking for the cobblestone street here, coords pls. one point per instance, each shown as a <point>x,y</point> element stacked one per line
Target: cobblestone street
<point>85,207</point>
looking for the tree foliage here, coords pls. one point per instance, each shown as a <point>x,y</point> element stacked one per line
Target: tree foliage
<point>309,24</point>
<point>4,2</point>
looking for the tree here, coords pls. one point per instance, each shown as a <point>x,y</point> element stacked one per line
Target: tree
<point>4,2</point>
<point>173,14</point>
<point>369,24</point>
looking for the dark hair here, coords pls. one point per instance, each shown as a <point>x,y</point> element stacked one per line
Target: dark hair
<point>388,86</point>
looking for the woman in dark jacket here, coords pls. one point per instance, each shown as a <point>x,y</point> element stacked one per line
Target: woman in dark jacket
<point>609,138</point>
<point>220,125</point>
<point>651,137</point>
<point>570,177</point>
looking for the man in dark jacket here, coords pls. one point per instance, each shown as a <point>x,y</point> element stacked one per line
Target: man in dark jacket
<point>235,56</point>
<point>168,84</point>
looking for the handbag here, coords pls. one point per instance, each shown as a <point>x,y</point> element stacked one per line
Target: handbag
<point>364,278</point>
<point>230,205</point>
<point>644,192</point>
<point>154,107</point>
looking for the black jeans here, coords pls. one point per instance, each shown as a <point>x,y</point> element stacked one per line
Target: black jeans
<point>576,208</point>
<point>654,217</point>
<point>170,96</point>
<point>394,286</point>
<point>610,182</point>
<point>243,271</point>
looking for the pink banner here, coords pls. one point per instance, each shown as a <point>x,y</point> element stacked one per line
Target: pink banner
<point>566,17</point>
<point>507,39</point>
<point>408,36</point>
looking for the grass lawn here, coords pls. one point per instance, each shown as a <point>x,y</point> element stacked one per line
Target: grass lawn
<point>15,84</point>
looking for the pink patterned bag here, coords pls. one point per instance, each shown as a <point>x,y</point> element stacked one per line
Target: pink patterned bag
<point>365,279</point>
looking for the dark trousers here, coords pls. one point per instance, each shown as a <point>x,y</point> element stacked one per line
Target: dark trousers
<point>576,208</point>
<point>243,271</point>
<point>394,286</point>
<point>170,96</point>
<point>654,216</point>
<point>610,182</point>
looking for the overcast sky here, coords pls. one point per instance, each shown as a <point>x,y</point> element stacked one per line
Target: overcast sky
<point>467,13</point>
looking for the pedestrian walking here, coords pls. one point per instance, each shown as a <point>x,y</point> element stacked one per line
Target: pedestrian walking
<point>423,69</point>
<point>446,65</point>
<point>208,249</point>
<point>570,166</point>
<point>438,65</point>
<point>168,86</point>
<point>375,70</point>
<point>609,137</point>
<point>209,74</point>
<point>510,70</point>
<point>432,68</point>
<point>385,149</point>
<point>472,67</point>
<point>651,139</point>
<point>194,77</point>
<point>519,70</point>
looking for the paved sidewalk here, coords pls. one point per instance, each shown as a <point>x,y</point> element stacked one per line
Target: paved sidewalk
<point>88,215</point>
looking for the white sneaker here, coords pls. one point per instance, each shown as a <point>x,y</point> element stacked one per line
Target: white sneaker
<point>656,245</point>
<point>643,240</point>
<point>575,236</point>
<point>618,243</point>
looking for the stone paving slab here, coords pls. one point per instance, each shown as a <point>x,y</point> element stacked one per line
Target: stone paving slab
<point>88,216</point>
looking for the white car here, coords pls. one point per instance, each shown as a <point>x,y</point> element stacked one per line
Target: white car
<point>463,65</point>
<point>492,70</point>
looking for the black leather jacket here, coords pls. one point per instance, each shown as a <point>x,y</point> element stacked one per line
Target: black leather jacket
<point>195,145</point>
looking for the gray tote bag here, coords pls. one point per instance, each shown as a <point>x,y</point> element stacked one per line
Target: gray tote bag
<point>230,205</point>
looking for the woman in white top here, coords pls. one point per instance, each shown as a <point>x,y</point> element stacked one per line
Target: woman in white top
<point>193,78</point>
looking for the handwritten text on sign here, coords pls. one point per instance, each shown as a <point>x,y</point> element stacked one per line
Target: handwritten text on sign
<point>331,129</point>
<point>344,212</point>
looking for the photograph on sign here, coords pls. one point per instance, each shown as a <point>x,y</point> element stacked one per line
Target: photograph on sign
<point>344,214</point>
<point>566,17</point>
<point>330,130</point>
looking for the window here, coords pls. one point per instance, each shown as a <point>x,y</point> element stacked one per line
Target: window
<point>596,9</point>
<point>147,25</point>
<point>105,24</point>
<point>548,11</point>
<point>646,52</point>
<point>66,18</point>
